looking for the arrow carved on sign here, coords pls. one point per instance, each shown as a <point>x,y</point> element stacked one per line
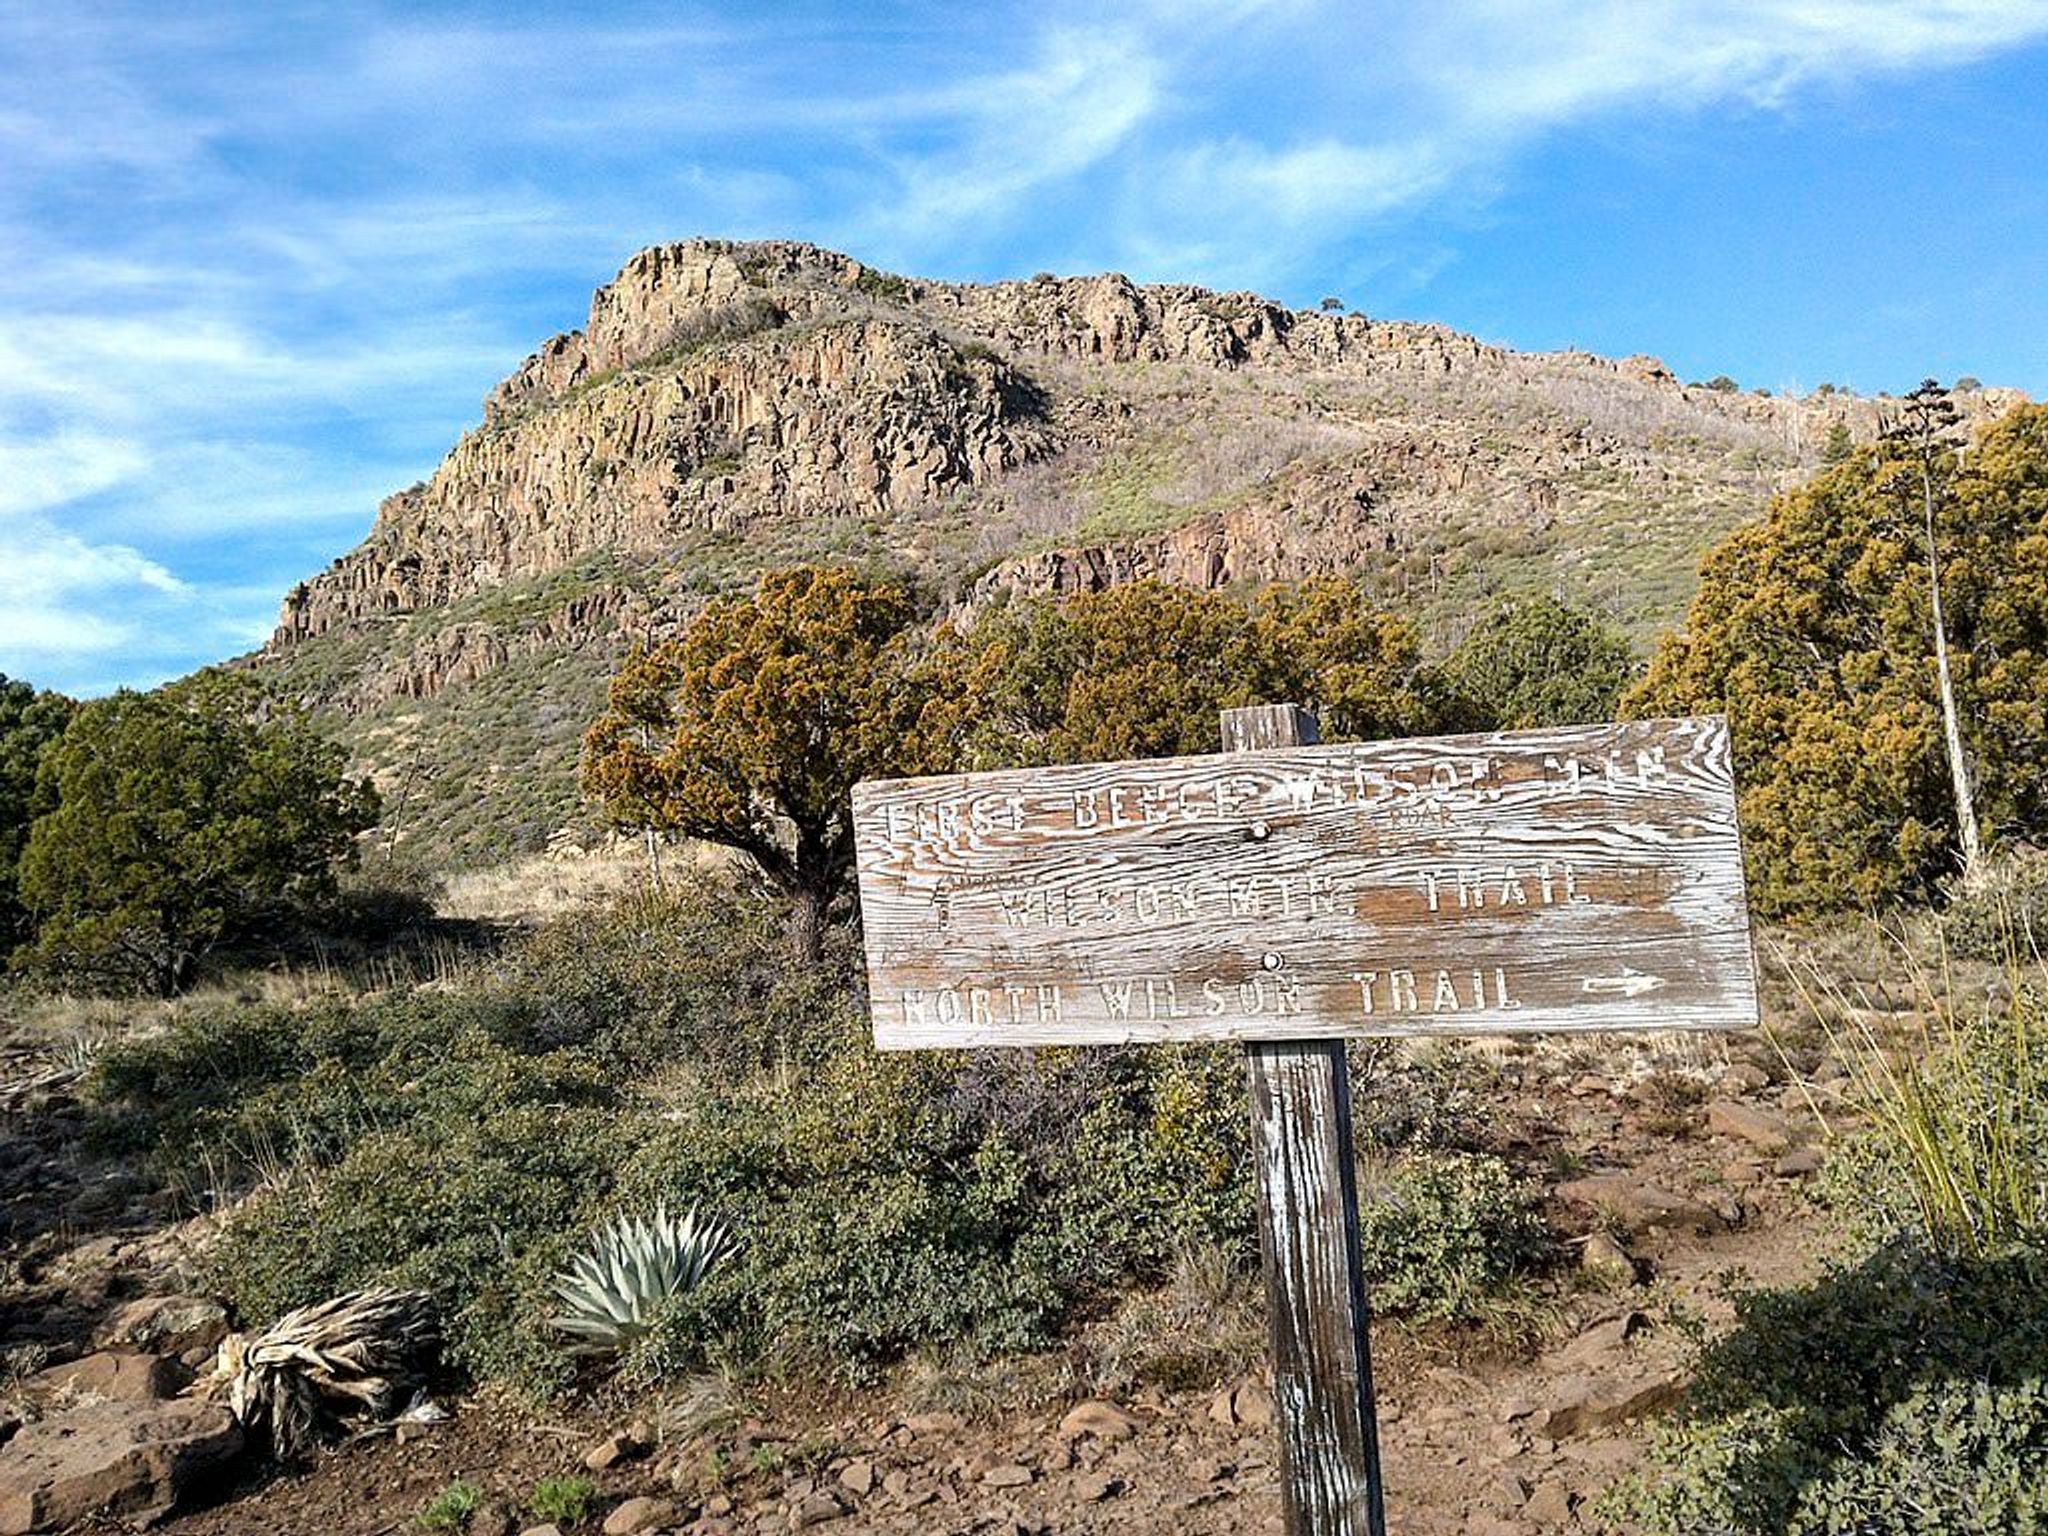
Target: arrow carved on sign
<point>1627,982</point>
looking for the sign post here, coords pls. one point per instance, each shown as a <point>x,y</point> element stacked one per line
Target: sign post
<point>1316,1305</point>
<point>1290,895</point>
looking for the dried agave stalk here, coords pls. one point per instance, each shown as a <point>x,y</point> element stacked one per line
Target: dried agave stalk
<point>612,1290</point>
<point>357,1355</point>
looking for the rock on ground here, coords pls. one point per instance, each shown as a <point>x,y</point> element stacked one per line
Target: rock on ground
<point>116,1458</point>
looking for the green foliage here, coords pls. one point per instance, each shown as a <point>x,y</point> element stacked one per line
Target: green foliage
<point>563,1501</point>
<point>1905,1390</point>
<point>1904,1394</point>
<point>1957,1154</point>
<point>1144,669</point>
<point>29,722</point>
<point>465,1142</point>
<point>1136,671</point>
<point>768,709</point>
<point>1444,1231</point>
<point>1839,447</point>
<point>178,819</point>
<point>886,286</point>
<point>1812,632</point>
<point>630,1270</point>
<point>452,1509</point>
<point>1538,662</point>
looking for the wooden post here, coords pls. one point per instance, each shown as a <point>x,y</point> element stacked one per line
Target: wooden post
<point>1308,1237</point>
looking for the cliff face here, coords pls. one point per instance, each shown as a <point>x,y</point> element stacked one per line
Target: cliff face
<point>728,407</point>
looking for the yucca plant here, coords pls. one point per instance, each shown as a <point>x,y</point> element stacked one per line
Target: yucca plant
<point>613,1290</point>
<point>362,1354</point>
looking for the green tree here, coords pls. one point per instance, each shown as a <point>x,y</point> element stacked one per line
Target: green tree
<point>1144,669</point>
<point>1839,445</point>
<point>29,721</point>
<point>1537,661</point>
<point>1134,671</point>
<point>751,729</point>
<point>178,819</point>
<point>1814,631</point>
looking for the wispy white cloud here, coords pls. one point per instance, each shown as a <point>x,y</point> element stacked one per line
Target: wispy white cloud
<point>1404,106</point>
<point>257,265</point>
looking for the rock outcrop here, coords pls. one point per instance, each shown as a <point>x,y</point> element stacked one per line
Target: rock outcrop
<point>119,1459</point>
<point>731,406</point>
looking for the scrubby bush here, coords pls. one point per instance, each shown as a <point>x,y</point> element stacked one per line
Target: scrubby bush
<point>466,1142</point>
<point>1899,1396</point>
<point>1906,1390</point>
<point>1441,1232</point>
<point>2002,915</point>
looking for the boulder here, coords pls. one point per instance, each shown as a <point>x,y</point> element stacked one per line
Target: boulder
<point>1798,1163</point>
<point>1583,1403</point>
<point>1607,1261</point>
<point>116,1375</point>
<point>166,1325</point>
<point>1637,1205</point>
<point>122,1459</point>
<point>1759,1127</point>
<point>1102,1420</point>
<point>639,1515</point>
<point>626,1445</point>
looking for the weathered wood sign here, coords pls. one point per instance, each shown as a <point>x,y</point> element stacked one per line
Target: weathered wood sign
<point>1586,878</point>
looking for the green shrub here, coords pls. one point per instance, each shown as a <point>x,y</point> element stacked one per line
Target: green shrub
<point>452,1508</point>
<point>2003,915</point>
<point>1443,1231</point>
<point>464,1142</point>
<point>1900,1395</point>
<point>562,1501</point>
<point>1957,1155</point>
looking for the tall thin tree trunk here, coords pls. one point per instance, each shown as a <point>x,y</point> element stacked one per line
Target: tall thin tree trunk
<point>1951,725</point>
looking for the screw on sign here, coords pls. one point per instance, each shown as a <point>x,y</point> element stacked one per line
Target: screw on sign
<point>1290,895</point>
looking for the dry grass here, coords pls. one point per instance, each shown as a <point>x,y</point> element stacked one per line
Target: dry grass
<point>554,884</point>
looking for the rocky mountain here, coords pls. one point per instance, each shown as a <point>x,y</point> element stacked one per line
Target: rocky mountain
<point>729,407</point>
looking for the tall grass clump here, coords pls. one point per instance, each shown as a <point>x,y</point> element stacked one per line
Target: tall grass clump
<point>1958,1105</point>
<point>1905,1388</point>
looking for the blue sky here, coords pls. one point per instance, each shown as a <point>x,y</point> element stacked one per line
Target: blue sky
<point>259,263</point>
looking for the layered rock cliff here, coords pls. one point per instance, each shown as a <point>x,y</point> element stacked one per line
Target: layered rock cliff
<point>728,407</point>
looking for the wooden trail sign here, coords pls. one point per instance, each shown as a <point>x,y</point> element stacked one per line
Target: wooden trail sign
<point>1585,878</point>
<point>1288,895</point>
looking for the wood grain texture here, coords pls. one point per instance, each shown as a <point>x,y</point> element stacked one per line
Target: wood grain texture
<point>1308,1238</point>
<point>1584,878</point>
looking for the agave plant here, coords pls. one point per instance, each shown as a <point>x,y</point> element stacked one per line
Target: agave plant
<point>613,1290</point>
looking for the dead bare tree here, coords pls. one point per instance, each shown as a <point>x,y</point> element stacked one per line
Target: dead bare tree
<point>1926,432</point>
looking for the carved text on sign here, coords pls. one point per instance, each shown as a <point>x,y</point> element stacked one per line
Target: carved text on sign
<point>1581,878</point>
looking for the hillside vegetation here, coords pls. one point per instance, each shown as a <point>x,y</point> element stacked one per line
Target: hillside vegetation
<point>736,408</point>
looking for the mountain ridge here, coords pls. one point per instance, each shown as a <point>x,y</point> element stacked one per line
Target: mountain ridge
<point>729,406</point>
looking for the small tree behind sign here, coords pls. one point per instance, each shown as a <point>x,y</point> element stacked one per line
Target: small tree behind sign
<point>1288,895</point>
